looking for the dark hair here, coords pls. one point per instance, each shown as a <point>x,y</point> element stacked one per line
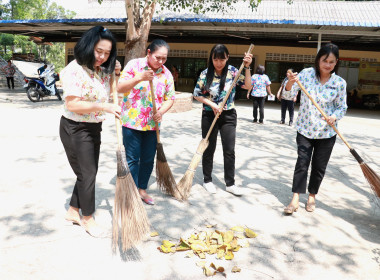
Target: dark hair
<point>156,44</point>
<point>325,51</point>
<point>260,70</point>
<point>9,61</point>
<point>218,51</point>
<point>84,49</point>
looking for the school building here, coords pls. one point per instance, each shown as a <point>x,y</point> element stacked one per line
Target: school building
<point>285,36</point>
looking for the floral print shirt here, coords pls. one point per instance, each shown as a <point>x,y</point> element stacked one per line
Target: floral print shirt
<point>137,107</point>
<point>9,70</point>
<point>286,95</point>
<point>214,95</point>
<point>331,97</point>
<point>90,86</point>
<point>259,83</point>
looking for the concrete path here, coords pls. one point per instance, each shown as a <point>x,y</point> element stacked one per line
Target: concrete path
<point>340,240</point>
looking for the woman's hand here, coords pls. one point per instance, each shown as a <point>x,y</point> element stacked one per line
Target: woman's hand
<point>331,120</point>
<point>157,117</point>
<point>147,75</point>
<point>117,68</point>
<point>247,95</point>
<point>112,109</point>
<point>292,78</point>
<point>247,59</point>
<point>216,108</point>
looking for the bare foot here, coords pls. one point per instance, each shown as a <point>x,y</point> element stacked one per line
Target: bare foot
<point>73,215</point>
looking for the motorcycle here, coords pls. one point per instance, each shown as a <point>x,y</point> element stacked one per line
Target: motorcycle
<point>37,88</point>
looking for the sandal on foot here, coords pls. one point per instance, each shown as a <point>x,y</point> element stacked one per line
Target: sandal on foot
<point>290,209</point>
<point>310,207</point>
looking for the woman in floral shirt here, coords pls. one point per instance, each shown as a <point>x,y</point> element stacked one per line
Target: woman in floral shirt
<point>139,133</point>
<point>86,85</point>
<point>260,88</point>
<point>315,136</point>
<point>211,88</point>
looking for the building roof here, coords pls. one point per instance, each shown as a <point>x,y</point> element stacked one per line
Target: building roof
<point>350,24</point>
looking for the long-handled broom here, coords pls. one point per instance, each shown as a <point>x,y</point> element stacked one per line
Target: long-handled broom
<point>165,179</point>
<point>130,219</point>
<point>372,178</point>
<point>186,182</point>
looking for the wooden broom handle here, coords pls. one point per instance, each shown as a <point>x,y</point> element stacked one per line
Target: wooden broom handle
<point>321,111</point>
<point>228,94</point>
<point>154,109</point>
<point>116,102</point>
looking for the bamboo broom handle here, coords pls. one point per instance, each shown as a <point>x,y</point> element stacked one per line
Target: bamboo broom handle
<point>227,95</point>
<point>154,109</point>
<point>116,102</point>
<point>321,111</point>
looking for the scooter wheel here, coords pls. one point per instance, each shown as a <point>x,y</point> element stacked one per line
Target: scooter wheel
<point>33,94</point>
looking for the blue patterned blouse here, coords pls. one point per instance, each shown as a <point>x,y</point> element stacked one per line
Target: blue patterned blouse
<point>259,83</point>
<point>331,97</point>
<point>214,95</point>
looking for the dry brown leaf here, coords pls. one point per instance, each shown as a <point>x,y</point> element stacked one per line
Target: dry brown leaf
<point>220,254</point>
<point>166,250</point>
<point>200,254</point>
<point>167,244</point>
<point>154,234</point>
<point>218,269</point>
<point>250,233</point>
<point>238,229</point>
<point>236,249</point>
<point>240,235</point>
<point>244,243</point>
<point>210,226</point>
<point>229,255</point>
<point>212,249</point>
<point>199,246</point>
<point>208,272</point>
<point>228,236</point>
<point>189,254</point>
<point>235,269</point>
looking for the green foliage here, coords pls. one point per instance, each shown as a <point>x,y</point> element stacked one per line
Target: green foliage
<point>55,55</point>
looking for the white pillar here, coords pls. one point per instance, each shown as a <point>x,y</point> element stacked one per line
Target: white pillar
<point>319,41</point>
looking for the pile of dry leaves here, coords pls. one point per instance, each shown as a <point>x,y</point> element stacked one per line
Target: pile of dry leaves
<point>222,244</point>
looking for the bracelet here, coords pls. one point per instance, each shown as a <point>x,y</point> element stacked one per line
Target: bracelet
<point>247,68</point>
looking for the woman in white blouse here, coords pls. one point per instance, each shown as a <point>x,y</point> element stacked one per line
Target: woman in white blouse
<point>315,136</point>
<point>86,84</point>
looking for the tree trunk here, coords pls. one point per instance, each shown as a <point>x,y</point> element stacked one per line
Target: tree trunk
<point>135,48</point>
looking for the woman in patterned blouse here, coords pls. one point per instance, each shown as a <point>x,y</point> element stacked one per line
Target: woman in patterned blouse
<point>211,88</point>
<point>315,136</point>
<point>86,85</point>
<point>260,88</point>
<point>139,128</point>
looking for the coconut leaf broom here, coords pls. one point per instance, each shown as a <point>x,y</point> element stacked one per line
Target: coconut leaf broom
<point>130,220</point>
<point>186,182</point>
<point>165,179</point>
<point>372,178</point>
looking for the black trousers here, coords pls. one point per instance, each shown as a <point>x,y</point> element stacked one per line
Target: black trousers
<point>287,104</point>
<point>9,81</point>
<point>258,102</point>
<point>81,141</point>
<point>226,124</point>
<point>318,151</point>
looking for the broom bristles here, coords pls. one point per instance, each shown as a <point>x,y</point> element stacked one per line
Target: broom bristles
<point>164,176</point>
<point>372,178</point>
<point>130,220</point>
<point>185,184</point>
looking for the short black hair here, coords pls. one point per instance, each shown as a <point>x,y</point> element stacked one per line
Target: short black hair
<point>84,49</point>
<point>325,51</point>
<point>260,70</point>
<point>156,44</point>
<point>218,51</point>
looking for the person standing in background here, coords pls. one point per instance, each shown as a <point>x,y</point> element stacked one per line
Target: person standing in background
<point>287,102</point>
<point>261,88</point>
<point>9,71</point>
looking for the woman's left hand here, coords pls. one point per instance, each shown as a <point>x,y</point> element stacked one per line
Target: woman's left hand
<point>117,67</point>
<point>331,120</point>
<point>157,117</point>
<point>247,59</point>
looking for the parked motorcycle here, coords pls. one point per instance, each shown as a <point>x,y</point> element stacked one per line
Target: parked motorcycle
<point>38,88</point>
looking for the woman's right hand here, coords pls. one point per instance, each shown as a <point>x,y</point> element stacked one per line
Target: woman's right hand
<point>147,75</point>
<point>292,78</point>
<point>216,108</point>
<point>112,109</point>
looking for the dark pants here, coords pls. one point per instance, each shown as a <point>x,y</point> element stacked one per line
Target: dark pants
<point>226,124</point>
<point>258,102</point>
<point>318,151</point>
<point>287,104</point>
<point>9,81</point>
<point>81,141</point>
<point>140,149</point>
